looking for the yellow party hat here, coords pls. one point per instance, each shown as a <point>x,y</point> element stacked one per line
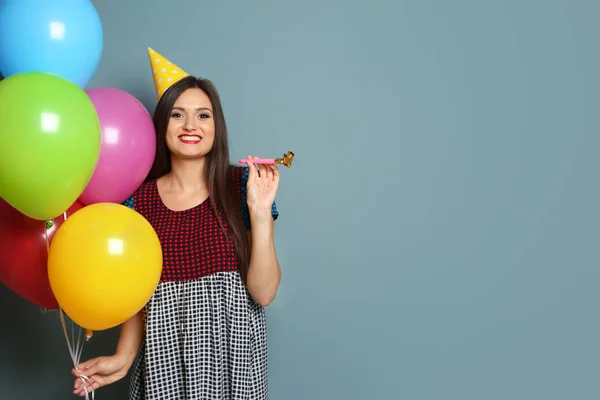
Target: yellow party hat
<point>164,71</point>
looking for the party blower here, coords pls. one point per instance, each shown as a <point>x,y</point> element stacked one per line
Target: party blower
<point>286,160</point>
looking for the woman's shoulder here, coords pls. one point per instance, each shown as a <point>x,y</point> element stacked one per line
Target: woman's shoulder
<point>146,187</point>
<point>239,172</point>
<point>240,177</point>
<point>142,192</point>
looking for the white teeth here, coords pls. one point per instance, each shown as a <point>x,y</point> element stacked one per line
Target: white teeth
<point>190,137</point>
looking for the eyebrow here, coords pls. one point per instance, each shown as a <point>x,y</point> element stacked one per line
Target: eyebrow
<point>197,109</point>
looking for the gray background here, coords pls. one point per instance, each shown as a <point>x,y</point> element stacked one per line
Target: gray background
<point>438,231</point>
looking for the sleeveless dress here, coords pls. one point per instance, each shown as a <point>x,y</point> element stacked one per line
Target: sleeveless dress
<point>205,337</point>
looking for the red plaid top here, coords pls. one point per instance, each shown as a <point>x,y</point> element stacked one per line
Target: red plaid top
<point>192,241</point>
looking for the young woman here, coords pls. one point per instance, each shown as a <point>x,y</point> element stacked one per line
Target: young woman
<point>203,333</point>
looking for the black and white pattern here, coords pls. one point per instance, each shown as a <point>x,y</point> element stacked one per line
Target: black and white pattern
<point>205,339</point>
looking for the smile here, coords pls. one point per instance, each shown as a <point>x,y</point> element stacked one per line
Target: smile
<point>190,139</point>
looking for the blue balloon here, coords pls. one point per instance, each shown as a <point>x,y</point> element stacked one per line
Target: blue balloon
<point>63,37</point>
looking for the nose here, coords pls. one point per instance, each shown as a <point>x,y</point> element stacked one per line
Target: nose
<point>190,125</point>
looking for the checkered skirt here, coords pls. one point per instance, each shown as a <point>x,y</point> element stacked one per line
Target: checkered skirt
<point>205,336</point>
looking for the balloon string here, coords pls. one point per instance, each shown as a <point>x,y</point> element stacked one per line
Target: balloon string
<point>74,351</point>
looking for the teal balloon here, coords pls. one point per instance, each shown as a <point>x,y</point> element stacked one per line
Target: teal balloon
<point>49,143</point>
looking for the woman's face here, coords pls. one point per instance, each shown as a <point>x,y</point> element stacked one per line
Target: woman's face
<point>191,129</point>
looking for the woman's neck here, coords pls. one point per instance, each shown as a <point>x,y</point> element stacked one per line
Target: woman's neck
<point>187,176</point>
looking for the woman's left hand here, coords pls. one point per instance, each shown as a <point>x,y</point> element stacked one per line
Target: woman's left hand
<point>261,190</point>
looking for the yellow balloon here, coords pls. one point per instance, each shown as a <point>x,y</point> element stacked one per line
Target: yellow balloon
<point>104,264</point>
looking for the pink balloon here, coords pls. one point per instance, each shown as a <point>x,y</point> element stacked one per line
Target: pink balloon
<point>127,150</point>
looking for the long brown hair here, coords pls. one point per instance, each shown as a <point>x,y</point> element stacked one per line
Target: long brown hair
<point>222,193</point>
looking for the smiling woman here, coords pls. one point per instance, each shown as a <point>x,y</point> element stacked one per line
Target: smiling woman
<point>203,333</point>
<point>191,123</point>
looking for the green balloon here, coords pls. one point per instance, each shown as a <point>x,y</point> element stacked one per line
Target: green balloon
<point>49,143</point>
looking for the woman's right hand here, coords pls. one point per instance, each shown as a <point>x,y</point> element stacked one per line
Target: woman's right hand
<point>100,372</point>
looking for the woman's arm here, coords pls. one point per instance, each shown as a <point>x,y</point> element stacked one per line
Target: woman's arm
<point>264,273</point>
<point>102,371</point>
<point>130,340</point>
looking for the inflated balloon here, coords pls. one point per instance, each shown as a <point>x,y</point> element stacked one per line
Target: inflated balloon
<point>49,143</point>
<point>62,37</point>
<point>127,150</point>
<point>24,254</point>
<point>104,264</point>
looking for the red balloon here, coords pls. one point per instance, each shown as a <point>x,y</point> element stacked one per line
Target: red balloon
<point>24,255</point>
